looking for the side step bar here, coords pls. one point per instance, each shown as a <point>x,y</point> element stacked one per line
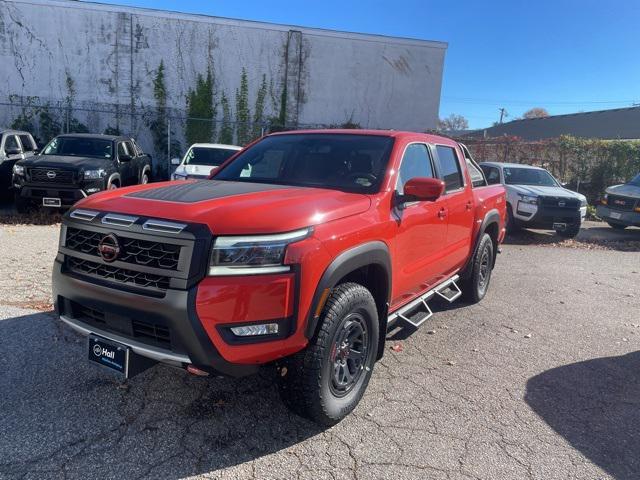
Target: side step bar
<point>448,290</point>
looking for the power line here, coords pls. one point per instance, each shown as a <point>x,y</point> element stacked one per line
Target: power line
<point>488,101</point>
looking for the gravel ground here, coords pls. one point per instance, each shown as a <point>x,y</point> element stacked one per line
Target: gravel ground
<point>538,381</point>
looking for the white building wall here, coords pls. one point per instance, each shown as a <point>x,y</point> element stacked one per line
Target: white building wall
<point>105,57</point>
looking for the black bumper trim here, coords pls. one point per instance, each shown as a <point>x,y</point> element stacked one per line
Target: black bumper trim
<point>176,310</point>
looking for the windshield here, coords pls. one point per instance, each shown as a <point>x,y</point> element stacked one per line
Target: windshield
<point>635,181</point>
<point>212,157</point>
<point>341,161</point>
<point>79,147</point>
<point>528,176</point>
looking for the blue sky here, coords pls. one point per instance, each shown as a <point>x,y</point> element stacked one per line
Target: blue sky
<point>564,55</point>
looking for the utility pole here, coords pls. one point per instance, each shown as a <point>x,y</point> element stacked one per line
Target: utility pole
<point>503,113</point>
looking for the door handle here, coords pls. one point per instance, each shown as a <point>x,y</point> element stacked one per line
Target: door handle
<point>469,205</point>
<point>442,213</point>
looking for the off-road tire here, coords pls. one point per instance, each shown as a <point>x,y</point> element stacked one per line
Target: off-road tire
<point>475,287</point>
<point>306,379</point>
<point>617,226</point>
<point>22,204</point>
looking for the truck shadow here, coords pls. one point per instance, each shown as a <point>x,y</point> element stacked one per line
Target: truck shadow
<point>597,237</point>
<point>65,417</point>
<point>595,406</point>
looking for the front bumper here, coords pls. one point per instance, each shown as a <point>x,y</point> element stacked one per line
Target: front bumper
<point>68,194</point>
<point>116,314</point>
<point>629,218</point>
<point>542,216</point>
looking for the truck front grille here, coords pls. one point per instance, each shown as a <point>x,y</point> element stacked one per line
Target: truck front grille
<point>139,252</point>
<point>118,275</point>
<point>617,202</point>
<point>51,175</point>
<point>560,202</point>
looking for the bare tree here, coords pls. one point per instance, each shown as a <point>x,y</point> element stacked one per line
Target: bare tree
<point>536,112</point>
<point>453,122</point>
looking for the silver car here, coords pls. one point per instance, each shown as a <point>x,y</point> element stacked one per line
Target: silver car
<point>620,206</point>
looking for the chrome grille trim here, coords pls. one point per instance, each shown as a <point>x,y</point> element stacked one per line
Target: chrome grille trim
<point>87,215</point>
<point>119,220</point>
<point>163,227</point>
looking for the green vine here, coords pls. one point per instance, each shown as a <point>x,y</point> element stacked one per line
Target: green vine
<point>201,111</point>
<point>243,114</point>
<point>226,130</point>
<point>258,110</point>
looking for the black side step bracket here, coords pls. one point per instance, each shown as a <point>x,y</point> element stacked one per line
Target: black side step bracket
<point>416,312</point>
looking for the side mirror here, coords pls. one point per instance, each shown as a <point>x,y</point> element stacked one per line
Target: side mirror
<point>424,188</point>
<point>11,150</point>
<point>175,161</point>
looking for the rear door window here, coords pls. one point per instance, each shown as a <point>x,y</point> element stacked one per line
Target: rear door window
<point>449,168</point>
<point>28,145</point>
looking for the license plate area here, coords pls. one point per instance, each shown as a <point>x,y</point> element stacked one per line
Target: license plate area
<point>107,353</point>
<point>616,215</point>
<point>51,202</point>
<point>559,226</point>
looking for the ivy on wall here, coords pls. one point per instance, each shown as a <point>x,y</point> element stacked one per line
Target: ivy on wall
<point>226,130</point>
<point>243,114</point>
<point>200,110</point>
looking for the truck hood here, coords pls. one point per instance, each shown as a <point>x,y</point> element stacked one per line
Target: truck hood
<point>627,190</point>
<point>67,162</point>
<point>232,207</point>
<point>545,191</point>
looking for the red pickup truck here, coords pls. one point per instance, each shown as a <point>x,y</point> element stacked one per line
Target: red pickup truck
<point>300,252</point>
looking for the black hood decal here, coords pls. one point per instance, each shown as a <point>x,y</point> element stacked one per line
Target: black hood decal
<point>201,190</point>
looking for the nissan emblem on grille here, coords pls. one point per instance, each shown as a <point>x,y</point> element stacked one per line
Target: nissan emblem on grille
<point>109,248</point>
<point>51,174</point>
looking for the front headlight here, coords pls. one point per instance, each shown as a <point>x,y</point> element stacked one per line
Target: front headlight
<point>95,174</point>
<point>583,202</point>
<point>250,255</point>
<point>18,170</point>
<point>529,199</point>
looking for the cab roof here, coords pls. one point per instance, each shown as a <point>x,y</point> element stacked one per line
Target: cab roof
<point>401,134</point>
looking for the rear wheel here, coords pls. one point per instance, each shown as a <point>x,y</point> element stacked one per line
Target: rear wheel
<point>617,226</point>
<point>475,287</point>
<point>144,179</point>
<point>326,381</point>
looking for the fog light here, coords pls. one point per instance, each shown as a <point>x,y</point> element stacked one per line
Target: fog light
<point>253,330</point>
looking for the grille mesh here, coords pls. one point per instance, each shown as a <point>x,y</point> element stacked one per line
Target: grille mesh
<point>620,203</point>
<point>50,175</point>
<point>138,252</point>
<point>120,275</point>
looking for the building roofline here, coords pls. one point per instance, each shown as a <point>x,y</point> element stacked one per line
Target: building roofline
<point>563,115</point>
<point>203,18</point>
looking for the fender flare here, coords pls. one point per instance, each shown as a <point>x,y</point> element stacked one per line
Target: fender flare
<point>376,253</point>
<point>145,168</point>
<point>112,177</point>
<point>491,217</point>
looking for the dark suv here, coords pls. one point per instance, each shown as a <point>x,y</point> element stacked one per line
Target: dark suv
<point>74,166</point>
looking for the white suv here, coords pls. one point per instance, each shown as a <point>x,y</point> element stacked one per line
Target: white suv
<point>535,199</point>
<point>200,159</point>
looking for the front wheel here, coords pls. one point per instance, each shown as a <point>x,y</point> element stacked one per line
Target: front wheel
<point>325,381</point>
<point>144,179</point>
<point>22,204</point>
<point>475,287</point>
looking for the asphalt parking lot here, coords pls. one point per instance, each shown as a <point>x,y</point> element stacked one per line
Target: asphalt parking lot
<point>538,381</point>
